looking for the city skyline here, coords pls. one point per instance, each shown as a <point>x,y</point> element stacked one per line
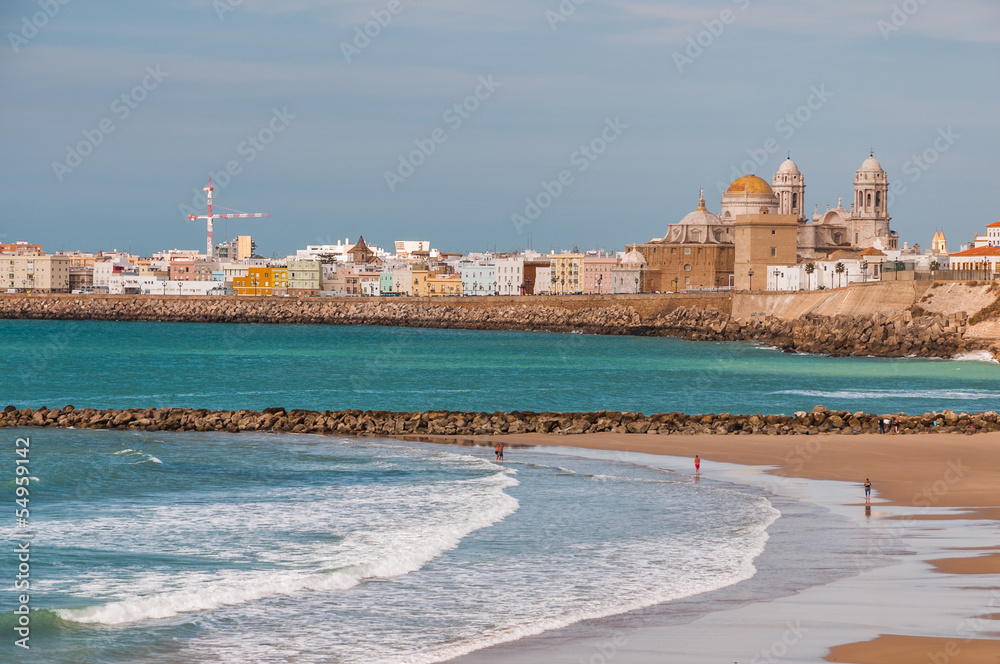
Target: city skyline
<point>446,122</point>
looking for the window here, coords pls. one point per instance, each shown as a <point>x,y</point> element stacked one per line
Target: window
<point>774,251</point>
<point>772,231</point>
<point>687,250</point>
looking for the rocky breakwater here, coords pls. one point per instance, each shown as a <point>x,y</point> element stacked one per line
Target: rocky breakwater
<point>598,318</point>
<point>435,423</point>
<point>899,335</point>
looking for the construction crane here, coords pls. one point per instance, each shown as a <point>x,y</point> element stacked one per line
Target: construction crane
<point>233,214</point>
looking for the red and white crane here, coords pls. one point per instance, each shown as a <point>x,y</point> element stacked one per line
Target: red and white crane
<point>232,214</point>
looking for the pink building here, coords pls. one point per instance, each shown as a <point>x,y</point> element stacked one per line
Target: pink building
<point>190,269</point>
<point>597,268</point>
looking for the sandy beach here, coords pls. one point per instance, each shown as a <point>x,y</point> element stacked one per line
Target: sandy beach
<point>937,495</point>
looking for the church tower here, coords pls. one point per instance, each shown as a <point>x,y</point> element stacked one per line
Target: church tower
<point>870,210</point>
<point>789,186</point>
<point>939,245</point>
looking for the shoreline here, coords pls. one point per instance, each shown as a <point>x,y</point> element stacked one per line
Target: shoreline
<point>932,495</point>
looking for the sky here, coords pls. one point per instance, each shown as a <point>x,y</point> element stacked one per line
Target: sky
<point>482,124</point>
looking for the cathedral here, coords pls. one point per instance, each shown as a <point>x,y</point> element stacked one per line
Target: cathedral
<point>699,252</point>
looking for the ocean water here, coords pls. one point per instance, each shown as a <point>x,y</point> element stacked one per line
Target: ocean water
<point>185,547</point>
<point>165,548</point>
<point>108,364</point>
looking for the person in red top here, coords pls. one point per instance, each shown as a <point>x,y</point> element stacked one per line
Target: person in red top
<point>697,464</point>
<point>499,451</point>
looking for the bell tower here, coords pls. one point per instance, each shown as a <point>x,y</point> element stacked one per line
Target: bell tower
<point>870,210</point>
<point>789,186</point>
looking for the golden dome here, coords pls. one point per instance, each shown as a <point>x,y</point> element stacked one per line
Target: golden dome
<point>750,184</point>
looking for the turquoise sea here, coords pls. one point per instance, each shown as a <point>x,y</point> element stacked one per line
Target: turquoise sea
<point>107,364</point>
<point>165,548</point>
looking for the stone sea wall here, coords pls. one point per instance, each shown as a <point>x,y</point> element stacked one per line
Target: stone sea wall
<point>696,317</point>
<point>384,423</point>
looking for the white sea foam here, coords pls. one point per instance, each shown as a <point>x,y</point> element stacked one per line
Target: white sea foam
<point>143,456</point>
<point>857,395</point>
<point>378,553</point>
<point>975,356</point>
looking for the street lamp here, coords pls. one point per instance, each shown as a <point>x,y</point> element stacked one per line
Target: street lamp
<point>716,283</point>
<point>776,273</point>
<point>864,271</point>
<point>676,279</point>
<point>750,274</point>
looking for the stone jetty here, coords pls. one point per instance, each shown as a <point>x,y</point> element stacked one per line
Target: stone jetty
<point>434,423</point>
<point>700,318</point>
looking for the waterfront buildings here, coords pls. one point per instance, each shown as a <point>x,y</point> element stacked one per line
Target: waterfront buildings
<point>479,279</point>
<point>567,273</point>
<point>510,275</point>
<point>629,275</point>
<point>597,270</point>
<point>35,273</point>
<point>304,277</point>
<point>761,240</point>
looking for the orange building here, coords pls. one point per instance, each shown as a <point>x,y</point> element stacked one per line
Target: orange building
<point>262,281</point>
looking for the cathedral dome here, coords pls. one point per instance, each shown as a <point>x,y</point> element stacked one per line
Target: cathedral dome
<point>634,258</point>
<point>788,166</point>
<point>750,184</point>
<point>701,216</point>
<point>871,165</point>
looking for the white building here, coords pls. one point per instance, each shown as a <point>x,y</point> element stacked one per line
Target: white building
<point>626,276</point>
<point>479,279</point>
<point>510,275</point>
<point>149,286</point>
<point>404,248</point>
<point>543,281</point>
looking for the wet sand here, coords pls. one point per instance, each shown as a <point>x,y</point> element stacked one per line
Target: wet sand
<point>934,513</point>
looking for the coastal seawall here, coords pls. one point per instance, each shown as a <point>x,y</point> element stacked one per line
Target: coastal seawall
<point>386,423</point>
<point>893,332</point>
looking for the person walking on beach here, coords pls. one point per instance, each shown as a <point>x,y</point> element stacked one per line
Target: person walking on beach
<point>697,464</point>
<point>868,490</point>
<point>499,451</point>
<point>895,425</point>
<point>881,425</point>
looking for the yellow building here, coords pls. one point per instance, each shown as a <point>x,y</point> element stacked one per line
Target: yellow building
<point>244,247</point>
<point>262,281</point>
<point>35,273</point>
<point>421,287</point>
<point>439,285</point>
<point>567,273</point>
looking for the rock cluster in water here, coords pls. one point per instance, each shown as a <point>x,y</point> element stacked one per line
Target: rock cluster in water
<point>898,335</point>
<point>879,335</point>
<point>385,423</point>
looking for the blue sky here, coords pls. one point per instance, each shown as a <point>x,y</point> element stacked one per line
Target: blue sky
<point>636,105</point>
